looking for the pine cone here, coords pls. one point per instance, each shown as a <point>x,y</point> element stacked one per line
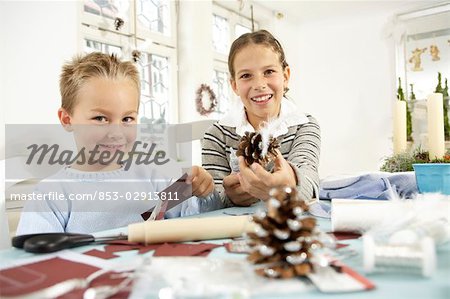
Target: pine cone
<point>250,147</point>
<point>136,55</point>
<point>284,239</point>
<point>118,23</point>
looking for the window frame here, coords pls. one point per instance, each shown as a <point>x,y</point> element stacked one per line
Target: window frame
<point>134,36</point>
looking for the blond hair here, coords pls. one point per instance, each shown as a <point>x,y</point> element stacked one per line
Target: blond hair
<point>82,68</point>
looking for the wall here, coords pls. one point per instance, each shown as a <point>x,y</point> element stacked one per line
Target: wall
<point>37,37</point>
<point>41,35</point>
<point>343,73</point>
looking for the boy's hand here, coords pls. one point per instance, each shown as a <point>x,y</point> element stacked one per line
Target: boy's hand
<point>235,193</point>
<point>257,181</point>
<point>201,181</point>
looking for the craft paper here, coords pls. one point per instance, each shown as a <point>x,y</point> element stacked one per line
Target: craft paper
<point>184,249</point>
<point>348,215</point>
<point>179,189</point>
<point>176,249</point>
<point>24,279</point>
<point>351,215</point>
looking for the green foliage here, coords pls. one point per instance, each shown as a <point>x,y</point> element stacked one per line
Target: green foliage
<point>404,161</point>
<point>444,92</point>
<point>400,94</point>
<point>401,97</point>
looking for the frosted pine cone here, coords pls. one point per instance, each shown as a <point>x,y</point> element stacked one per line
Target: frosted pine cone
<point>284,239</point>
<point>251,148</point>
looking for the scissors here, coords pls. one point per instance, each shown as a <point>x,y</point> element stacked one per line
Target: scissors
<point>51,242</point>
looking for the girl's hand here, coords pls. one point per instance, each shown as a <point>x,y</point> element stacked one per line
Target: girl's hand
<point>235,192</point>
<point>256,181</point>
<point>202,182</point>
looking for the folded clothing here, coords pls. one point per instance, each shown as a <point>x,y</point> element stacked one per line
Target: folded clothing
<point>382,186</point>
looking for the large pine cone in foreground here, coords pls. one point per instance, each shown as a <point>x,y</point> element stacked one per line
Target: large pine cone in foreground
<point>284,240</point>
<point>250,147</point>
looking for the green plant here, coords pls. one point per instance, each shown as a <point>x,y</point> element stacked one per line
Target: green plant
<point>401,97</point>
<point>444,92</point>
<point>404,161</point>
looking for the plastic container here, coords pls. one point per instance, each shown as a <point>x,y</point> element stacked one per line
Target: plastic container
<point>433,177</point>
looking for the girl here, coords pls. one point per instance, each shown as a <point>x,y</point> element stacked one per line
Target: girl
<point>260,76</point>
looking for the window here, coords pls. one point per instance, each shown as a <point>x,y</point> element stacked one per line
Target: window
<point>149,26</point>
<point>96,46</point>
<point>155,83</point>
<point>222,89</point>
<point>221,35</point>
<point>154,15</point>
<point>227,26</point>
<point>241,29</point>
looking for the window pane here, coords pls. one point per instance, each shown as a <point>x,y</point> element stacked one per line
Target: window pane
<point>221,35</point>
<point>155,81</point>
<point>107,8</point>
<point>241,29</point>
<point>221,88</point>
<point>154,15</point>
<point>94,46</point>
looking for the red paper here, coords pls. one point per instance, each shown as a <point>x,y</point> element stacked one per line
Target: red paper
<point>32,277</point>
<point>25,279</point>
<point>147,248</point>
<point>184,249</point>
<point>361,279</point>
<point>173,249</point>
<point>109,250</point>
<point>101,254</point>
<point>345,235</point>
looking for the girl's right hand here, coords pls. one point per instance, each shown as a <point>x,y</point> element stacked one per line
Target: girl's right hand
<point>235,193</point>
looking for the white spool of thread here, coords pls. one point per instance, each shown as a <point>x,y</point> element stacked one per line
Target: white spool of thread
<point>411,258</point>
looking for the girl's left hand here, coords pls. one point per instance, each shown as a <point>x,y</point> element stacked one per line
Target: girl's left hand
<point>256,181</point>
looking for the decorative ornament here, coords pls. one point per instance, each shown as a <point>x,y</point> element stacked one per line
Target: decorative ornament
<point>118,23</point>
<point>434,52</point>
<point>416,60</point>
<point>284,240</point>
<point>136,55</point>
<point>199,100</point>
<point>254,149</point>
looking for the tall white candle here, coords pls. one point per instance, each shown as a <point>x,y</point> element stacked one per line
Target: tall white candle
<point>435,115</point>
<point>399,127</point>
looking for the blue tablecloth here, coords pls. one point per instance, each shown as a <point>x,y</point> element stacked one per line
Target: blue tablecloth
<point>388,285</point>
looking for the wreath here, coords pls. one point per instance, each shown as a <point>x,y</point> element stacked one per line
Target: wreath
<point>199,100</point>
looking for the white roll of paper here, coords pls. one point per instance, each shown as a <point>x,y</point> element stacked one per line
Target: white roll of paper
<point>357,215</point>
<point>350,215</point>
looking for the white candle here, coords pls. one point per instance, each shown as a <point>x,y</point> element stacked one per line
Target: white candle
<point>435,115</point>
<point>399,127</point>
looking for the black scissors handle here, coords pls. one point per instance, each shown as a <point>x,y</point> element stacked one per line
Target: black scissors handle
<point>51,242</point>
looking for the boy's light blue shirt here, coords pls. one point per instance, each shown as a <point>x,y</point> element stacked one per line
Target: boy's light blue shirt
<point>133,189</point>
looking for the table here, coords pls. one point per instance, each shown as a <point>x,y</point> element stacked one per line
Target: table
<point>388,285</point>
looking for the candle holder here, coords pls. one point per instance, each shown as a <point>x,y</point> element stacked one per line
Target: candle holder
<point>433,177</point>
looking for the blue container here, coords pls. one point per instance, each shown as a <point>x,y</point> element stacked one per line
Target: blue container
<point>433,177</point>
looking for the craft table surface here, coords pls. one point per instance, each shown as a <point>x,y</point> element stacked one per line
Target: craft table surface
<point>388,285</point>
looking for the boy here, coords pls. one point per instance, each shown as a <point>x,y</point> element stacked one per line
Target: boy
<point>100,102</point>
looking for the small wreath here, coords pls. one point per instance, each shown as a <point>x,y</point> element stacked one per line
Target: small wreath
<point>199,100</point>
